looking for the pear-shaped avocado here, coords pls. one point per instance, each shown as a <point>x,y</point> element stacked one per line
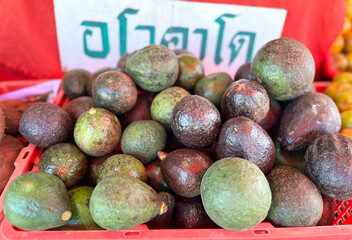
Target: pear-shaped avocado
<point>164,103</point>
<point>37,201</point>
<point>97,132</point>
<point>143,139</point>
<point>235,194</point>
<point>195,121</point>
<point>78,106</point>
<point>122,163</point>
<point>213,87</point>
<point>190,71</point>
<point>65,161</point>
<point>153,68</point>
<point>307,117</point>
<point>296,200</point>
<point>285,68</point>
<point>122,202</point>
<point>75,83</point>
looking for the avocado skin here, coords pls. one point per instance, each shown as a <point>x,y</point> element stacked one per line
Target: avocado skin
<point>244,72</point>
<point>45,125</point>
<point>271,122</point>
<point>244,138</point>
<point>65,161</point>
<point>75,82</point>
<point>296,201</point>
<point>36,201</point>
<point>163,104</point>
<point>78,106</point>
<point>97,132</point>
<point>235,194</point>
<point>93,77</point>
<point>328,216</point>
<point>143,139</point>
<point>195,121</point>
<point>153,68</point>
<point>94,165</point>
<point>154,177</point>
<point>121,202</point>
<point>190,71</point>
<point>163,221</point>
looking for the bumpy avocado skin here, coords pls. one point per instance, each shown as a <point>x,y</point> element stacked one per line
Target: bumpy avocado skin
<point>75,83</point>
<point>97,132</point>
<point>235,194</point>
<point>190,71</point>
<point>94,76</point>
<point>153,68</point>
<point>164,103</point>
<point>285,68</point>
<point>122,202</point>
<point>213,86</point>
<point>78,106</point>
<point>143,139</point>
<point>37,201</point>
<point>122,163</point>
<point>65,161</point>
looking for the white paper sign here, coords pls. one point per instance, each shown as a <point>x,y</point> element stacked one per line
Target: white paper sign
<point>93,34</point>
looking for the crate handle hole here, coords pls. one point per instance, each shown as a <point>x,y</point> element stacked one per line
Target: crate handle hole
<point>132,234</point>
<point>261,231</point>
<point>25,155</point>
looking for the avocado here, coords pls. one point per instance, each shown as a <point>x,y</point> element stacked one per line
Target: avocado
<point>93,77</point>
<point>189,213</point>
<point>235,194</point>
<point>328,216</point>
<point>163,221</point>
<point>65,161</point>
<point>140,111</point>
<point>122,61</point>
<point>244,72</point>
<point>2,124</point>
<point>45,125</point>
<point>213,87</point>
<point>288,158</point>
<point>143,139</point>
<point>122,202</point>
<point>153,68</point>
<point>97,132</point>
<point>122,163</point>
<point>195,121</point>
<point>81,218</point>
<point>190,71</point>
<point>244,138</point>
<point>154,177</point>
<point>245,98</point>
<point>74,83</point>
<point>307,117</point>
<point>172,143</point>
<point>37,201</point>
<point>296,200</point>
<point>114,91</point>
<point>164,103</point>
<point>271,122</point>
<point>94,165</point>
<point>77,106</point>
<point>285,68</point>
<point>181,51</point>
<point>183,170</point>
<point>327,162</point>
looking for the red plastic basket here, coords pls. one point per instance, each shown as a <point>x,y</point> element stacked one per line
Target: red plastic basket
<point>28,161</point>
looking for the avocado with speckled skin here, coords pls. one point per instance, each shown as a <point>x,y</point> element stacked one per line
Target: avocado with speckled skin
<point>190,71</point>
<point>143,139</point>
<point>75,82</point>
<point>93,77</point>
<point>65,161</point>
<point>122,202</point>
<point>122,163</point>
<point>195,121</point>
<point>164,103</point>
<point>97,132</point>
<point>153,68</point>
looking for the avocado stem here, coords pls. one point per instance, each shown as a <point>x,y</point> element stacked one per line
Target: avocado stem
<point>162,155</point>
<point>66,216</point>
<point>163,208</point>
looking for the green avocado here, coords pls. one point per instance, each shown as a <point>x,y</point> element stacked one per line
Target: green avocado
<point>37,201</point>
<point>122,202</point>
<point>164,103</point>
<point>75,82</point>
<point>190,71</point>
<point>235,194</point>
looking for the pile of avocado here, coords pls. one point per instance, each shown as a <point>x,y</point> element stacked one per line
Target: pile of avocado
<point>155,141</point>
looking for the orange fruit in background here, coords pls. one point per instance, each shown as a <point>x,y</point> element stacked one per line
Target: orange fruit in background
<point>343,77</point>
<point>347,26</point>
<point>343,100</point>
<point>349,61</point>
<point>340,62</point>
<point>349,9</point>
<point>347,132</point>
<point>338,44</point>
<point>348,42</point>
<point>337,87</point>
<point>346,119</point>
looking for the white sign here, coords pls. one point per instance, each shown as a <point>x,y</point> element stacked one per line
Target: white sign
<point>93,34</point>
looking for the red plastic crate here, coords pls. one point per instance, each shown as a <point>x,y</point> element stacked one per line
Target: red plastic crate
<point>28,161</point>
